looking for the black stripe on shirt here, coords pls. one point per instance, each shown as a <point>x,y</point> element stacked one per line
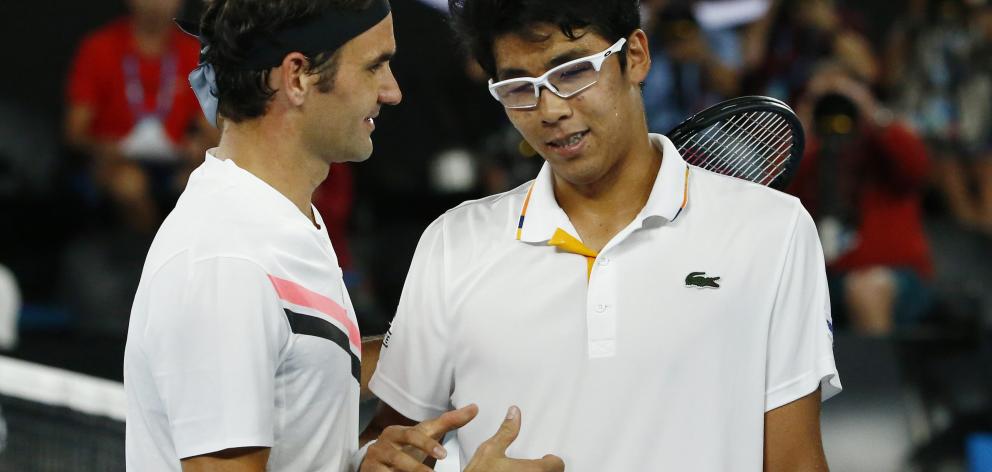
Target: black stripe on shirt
<point>314,326</point>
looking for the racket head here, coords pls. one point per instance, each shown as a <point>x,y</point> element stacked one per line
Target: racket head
<point>754,138</point>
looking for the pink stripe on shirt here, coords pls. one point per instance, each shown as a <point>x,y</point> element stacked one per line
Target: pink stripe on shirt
<point>297,294</point>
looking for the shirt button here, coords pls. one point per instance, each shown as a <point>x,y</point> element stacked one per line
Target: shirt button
<point>604,261</point>
<point>600,308</point>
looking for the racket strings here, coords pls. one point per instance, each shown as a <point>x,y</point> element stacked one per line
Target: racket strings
<point>775,144</point>
<point>745,149</point>
<point>743,143</point>
<point>722,154</point>
<point>754,146</point>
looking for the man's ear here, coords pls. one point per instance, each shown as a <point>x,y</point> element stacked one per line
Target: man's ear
<point>291,78</point>
<point>638,57</point>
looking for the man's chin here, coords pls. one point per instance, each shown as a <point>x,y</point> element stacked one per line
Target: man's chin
<point>576,172</point>
<point>355,155</point>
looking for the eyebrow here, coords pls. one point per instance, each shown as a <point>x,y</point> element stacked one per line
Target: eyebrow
<point>570,55</point>
<point>381,58</point>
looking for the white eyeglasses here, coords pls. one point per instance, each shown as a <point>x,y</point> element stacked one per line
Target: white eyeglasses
<point>564,81</point>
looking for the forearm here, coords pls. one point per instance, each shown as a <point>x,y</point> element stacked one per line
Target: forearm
<point>246,459</point>
<point>792,437</point>
<point>78,136</point>
<point>385,417</point>
<point>371,346</point>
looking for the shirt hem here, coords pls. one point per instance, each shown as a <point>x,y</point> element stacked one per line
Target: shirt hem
<point>399,400</point>
<point>824,375</point>
<point>230,443</point>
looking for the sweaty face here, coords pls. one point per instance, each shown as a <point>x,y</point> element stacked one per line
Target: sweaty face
<point>338,124</point>
<point>581,137</point>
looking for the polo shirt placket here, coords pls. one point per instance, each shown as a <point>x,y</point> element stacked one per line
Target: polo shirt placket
<point>542,221</point>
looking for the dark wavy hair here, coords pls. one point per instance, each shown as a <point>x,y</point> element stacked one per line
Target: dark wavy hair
<point>479,22</point>
<point>231,26</point>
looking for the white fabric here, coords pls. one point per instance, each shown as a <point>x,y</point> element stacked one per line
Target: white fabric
<point>212,361</point>
<point>10,308</point>
<point>149,141</point>
<point>720,14</point>
<point>62,388</point>
<point>631,366</point>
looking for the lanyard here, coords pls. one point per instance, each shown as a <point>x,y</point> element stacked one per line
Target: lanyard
<point>135,91</point>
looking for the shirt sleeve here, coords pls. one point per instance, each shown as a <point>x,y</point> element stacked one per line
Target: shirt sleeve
<point>83,86</point>
<point>415,370</point>
<point>800,346</point>
<point>214,346</point>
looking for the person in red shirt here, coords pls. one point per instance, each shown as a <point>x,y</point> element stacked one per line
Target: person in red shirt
<point>333,199</point>
<point>862,179</point>
<point>131,111</point>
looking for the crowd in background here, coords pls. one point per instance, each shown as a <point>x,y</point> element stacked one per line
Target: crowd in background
<point>896,99</point>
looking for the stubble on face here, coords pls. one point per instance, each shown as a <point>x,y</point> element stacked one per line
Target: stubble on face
<point>339,122</point>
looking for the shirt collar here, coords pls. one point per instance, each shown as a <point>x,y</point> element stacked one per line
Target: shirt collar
<point>541,217</point>
<point>670,193</point>
<point>540,214</point>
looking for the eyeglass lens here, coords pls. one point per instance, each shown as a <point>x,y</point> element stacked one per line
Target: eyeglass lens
<point>569,80</point>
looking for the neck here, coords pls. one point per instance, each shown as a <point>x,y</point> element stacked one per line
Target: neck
<point>623,188</point>
<point>269,149</point>
<point>151,36</point>
<point>600,209</point>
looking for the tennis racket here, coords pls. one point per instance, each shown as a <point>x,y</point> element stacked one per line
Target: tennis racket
<point>752,138</point>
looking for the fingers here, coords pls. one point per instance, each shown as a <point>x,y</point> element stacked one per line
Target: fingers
<point>454,419</point>
<point>404,437</point>
<point>382,457</point>
<point>548,463</point>
<point>507,431</point>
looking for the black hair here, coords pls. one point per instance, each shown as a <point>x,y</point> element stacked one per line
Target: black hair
<point>480,22</point>
<point>232,26</point>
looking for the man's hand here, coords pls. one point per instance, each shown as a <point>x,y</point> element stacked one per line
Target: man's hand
<point>491,455</point>
<point>404,448</point>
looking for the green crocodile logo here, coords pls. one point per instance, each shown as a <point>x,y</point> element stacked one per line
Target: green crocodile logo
<point>699,279</point>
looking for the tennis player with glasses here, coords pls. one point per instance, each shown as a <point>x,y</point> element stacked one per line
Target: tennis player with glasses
<point>643,314</point>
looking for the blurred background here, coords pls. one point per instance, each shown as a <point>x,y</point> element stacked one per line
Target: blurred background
<point>896,98</point>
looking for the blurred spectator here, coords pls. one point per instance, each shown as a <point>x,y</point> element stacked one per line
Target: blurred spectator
<point>939,61</point>
<point>861,178</point>
<point>692,66</point>
<point>782,49</point>
<point>333,199</point>
<point>132,114</point>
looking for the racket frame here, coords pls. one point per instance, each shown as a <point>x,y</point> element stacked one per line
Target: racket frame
<point>747,104</point>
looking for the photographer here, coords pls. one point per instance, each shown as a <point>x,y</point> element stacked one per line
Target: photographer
<point>862,179</point>
<point>692,66</point>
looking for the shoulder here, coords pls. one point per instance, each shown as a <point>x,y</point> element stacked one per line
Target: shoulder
<point>737,201</point>
<point>107,37</point>
<point>492,206</point>
<point>485,216</point>
<point>228,221</point>
<point>187,47</point>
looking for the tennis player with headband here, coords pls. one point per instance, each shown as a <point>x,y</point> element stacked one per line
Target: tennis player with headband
<point>643,314</point>
<point>243,351</point>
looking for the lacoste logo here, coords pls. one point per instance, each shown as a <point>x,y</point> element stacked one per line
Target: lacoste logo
<point>699,279</point>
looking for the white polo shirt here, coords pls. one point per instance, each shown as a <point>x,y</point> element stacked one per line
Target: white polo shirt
<point>627,359</point>
<point>242,333</point>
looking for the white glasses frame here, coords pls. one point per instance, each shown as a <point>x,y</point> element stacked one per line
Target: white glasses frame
<point>543,81</point>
